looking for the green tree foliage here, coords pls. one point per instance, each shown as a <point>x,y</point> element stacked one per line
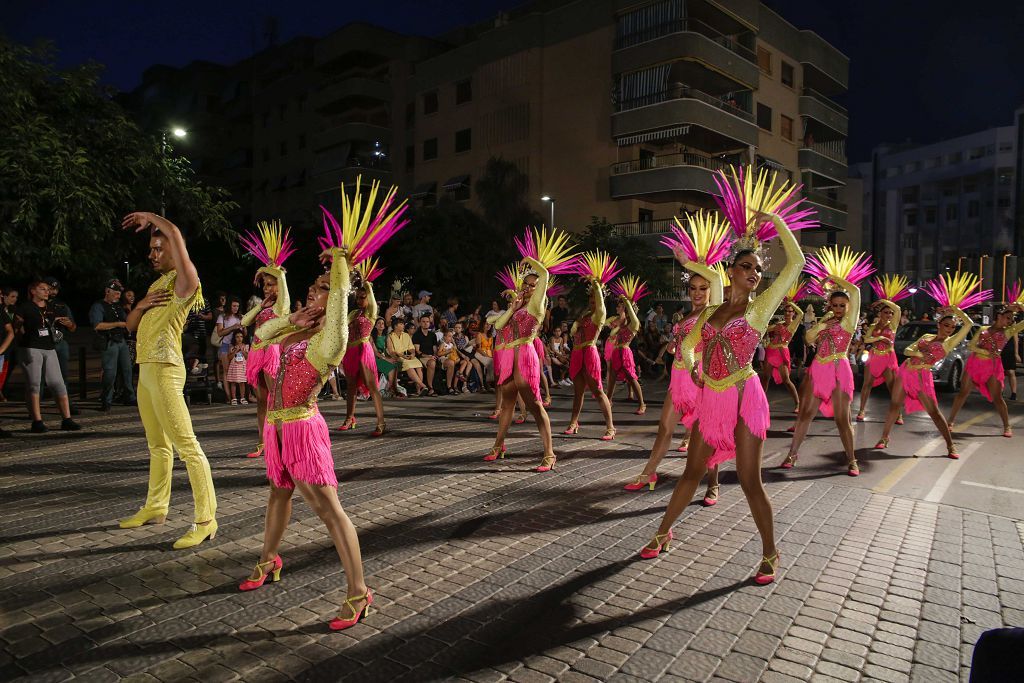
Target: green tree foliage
<point>72,164</point>
<point>637,255</point>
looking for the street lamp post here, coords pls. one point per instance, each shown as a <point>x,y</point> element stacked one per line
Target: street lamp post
<point>549,198</point>
<point>1005,256</point>
<point>127,272</point>
<point>958,262</point>
<point>178,132</point>
<point>981,270</point>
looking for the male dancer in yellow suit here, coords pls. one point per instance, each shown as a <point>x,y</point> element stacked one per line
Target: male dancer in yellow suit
<point>158,320</point>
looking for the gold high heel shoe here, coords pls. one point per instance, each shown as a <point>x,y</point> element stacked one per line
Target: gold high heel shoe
<point>196,535</point>
<point>143,516</point>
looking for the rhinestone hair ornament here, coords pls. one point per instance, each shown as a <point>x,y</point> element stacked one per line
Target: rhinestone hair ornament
<point>551,248</point>
<point>744,198</point>
<point>271,245</point>
<point>892,287</point>
<point>956,290</point>
<point>362,232</point>
<point>833,262</point>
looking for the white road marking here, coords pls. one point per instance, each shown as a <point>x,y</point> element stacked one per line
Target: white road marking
<point>944,481</point>
<point>992,486</point>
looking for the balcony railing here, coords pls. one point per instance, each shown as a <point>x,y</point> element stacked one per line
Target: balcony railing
<point>675,159</point>
<point>824,200</point>
<point>824,99</point>
<point>684,92</point>
<point>660,226</point>
<point>834,150</point>
<point>684,25</point>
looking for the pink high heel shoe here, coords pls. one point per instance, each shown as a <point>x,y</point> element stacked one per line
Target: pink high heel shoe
<point>495,453</point>
<point>662,541</point>
<point>640,482</point>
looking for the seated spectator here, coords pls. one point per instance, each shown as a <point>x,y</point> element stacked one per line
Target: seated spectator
<point>466,346</point>
<point>400,346</point>
<point>451,314</point>
<point>426,342</point>
<point>558,354</point>
<point>386,364</point>
<point>485,352</point>
<point>454,365</point>
<point>423,308</point>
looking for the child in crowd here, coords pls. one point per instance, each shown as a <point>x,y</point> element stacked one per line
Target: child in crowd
<point>238,352</point>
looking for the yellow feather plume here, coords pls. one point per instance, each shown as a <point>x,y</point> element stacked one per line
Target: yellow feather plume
<point>553,247</point>
<point>892,285</point>
<point>724,274</point>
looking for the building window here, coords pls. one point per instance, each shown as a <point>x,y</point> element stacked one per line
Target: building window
<point>788,74</point>
<point>764,60</point>
<point>764,116</point>
<point>973,208</point>
<point>952,212</point>
<point>430,102</point>
<point>464,140</point>
<point>910,219</point>
<point>929,215</point>
<point>302,141</point>
<point>458,188</point>
<point>429,149</point>
<point>410,157</point>
<point>785,126</point>
<point>1004,202</point>
<point>646,216</point>
<point>956,157</point>
<point>410,115</point>
<point>463,92</point>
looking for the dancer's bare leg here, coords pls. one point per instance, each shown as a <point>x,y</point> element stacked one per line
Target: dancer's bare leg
<point>634,386</point>
<point>899,397</point>
<point>940,422</point>
<point>602,401</point>
<point>666,424</point>
<point>748,469</point>
<point>279,512</point>
<point>540,416</point>
<point>687,484</point>
<point>965,390</point>
<point>508,393</point>
<point>808,409</point>
<point>371,384</point>
<point>579,383</point>
<point>996,392</point>
<point>841,415</point>
<point>324,501</point>
<point>787,381</point>
<point>865,390</point>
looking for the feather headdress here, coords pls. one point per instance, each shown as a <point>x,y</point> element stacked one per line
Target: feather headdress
<point>551,248</point>
<point>556,288</point>
<point>892,287</point>
<point>270,244</point>
<point>843,263</point>
<point>707,241</point>
<point>724,274</point>
<point>511,277</point>
<point>801,289</point>
<point>630,288</point>
<point>598,265</point>
<point>362,232</point>
<point>1014,294</point>
<point>369,270</point>
<point>956,290</point>
<point>744,198</point>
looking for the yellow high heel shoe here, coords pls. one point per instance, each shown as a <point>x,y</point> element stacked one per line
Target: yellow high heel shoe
<point>197,534</point>
<point>143,516</point>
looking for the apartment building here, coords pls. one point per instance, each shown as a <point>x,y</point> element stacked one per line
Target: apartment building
<point>947,206</point>
<point>620,109</point>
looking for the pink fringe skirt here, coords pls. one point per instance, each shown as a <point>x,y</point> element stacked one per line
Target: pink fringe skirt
<point>356,357</point>
<point>878,364</point>
<point>684,395</point>
<point>825,377</point>
<point>304,453</point>
<point>916,383</point>
<point>718,413</point>
<point>503,364</point>
<point>609,349</point>
<point>623,364</point>
<point>586,360</point>
<point>529,367</point>
<point>980,370</point>
<point>538,345</point>
<point>266,360</point>
<point>776,358</point>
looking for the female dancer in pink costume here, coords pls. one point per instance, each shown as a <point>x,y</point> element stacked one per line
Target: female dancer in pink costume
<point>272,249</point>
<point>554,290</point>
<point>360,362</point>
<point>512,278</point>
<point>914,388</point>
<point>984,367</point>
<point>882,366</point>
<point>298,444</point>
<point>700,254</point>
<point>597,268</point>
<point>777,363</point>
<point>621,364</point>
<point>520,376</point>
<point>829,381</point>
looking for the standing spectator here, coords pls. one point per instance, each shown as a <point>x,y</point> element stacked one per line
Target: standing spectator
<point>423,307</point>
<point>8,301</point>
<point>405,310</point>
<point>559,312</point>
<point>238,354</point>
<point>451,314</point>
<point>227,322</point>
<point>38,357</point>
<point>426,348</point>
<point>658,317</point>
<point>64,324</point>
<point>127,304</point>
<point>558,355</point>
<point>108,320</point>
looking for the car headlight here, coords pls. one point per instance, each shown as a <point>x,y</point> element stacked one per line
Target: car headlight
<point>938,365</point>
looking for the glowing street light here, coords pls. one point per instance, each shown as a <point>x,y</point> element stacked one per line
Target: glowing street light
<point>179,132</point>
<point>549,198</point>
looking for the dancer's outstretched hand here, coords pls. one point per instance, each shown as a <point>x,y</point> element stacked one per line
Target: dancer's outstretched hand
<point>140,220</point>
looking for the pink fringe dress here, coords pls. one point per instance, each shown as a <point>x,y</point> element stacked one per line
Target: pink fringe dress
<point>916,375</point>
<point>622,360</point>
<point>584,357</point>
<point>985,362</point>
<point>680,384</point>
<point>882,356</point>
<point>503,355</point>
<point>830,367</point>
<point>359,353</point>
<point>776,352</point>
<point>304,453</point>
<point>523,330</point>
<point>266,360</point>
<point>731,388</point>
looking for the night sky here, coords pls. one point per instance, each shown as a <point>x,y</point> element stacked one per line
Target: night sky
<point>919,70</point>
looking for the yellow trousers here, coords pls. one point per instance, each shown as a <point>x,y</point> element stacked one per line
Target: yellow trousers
<point>168,424</point>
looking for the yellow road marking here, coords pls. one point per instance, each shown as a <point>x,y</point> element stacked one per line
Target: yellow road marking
<point>893,477</point>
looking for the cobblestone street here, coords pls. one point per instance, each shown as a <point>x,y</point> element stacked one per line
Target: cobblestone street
<point>490,571</point>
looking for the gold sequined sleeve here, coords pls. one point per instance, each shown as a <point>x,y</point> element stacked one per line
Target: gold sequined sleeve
<point>690,341</point>
<point>371,302</point>
<point>273,331</point>
<point>912,352</point>
<point>536,304</point>
<point>849,322</point>
<point>717,291</point>
<point>763,307</point>
<point>600,313</point>
<point>972,346</point>
<point>501,320</point>
<point>811,336</point>
<point>634,322</point>
<point>897,313</point>
<point>327,346</point>
<point>1013,330</point>
<point>961,334</point>
<point>797,319</point>
<point>611,322</point>
<point>283,304</point>
<point>250,316</point>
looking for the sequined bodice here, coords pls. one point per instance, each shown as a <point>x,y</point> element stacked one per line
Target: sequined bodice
<point>779,335</point>
<point>885,344</point>
<point>728,350</point>
<point>586,331</point>
<point>679,333</point>
<point>262,317</point>
<point>504,337</point>
<point>931,352</point>
<point>298,382</point>
<point>834,339</point>
<point>524,324</point>
<point>359,328</point>
<point>992,341</point>
<point>624,336</point>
